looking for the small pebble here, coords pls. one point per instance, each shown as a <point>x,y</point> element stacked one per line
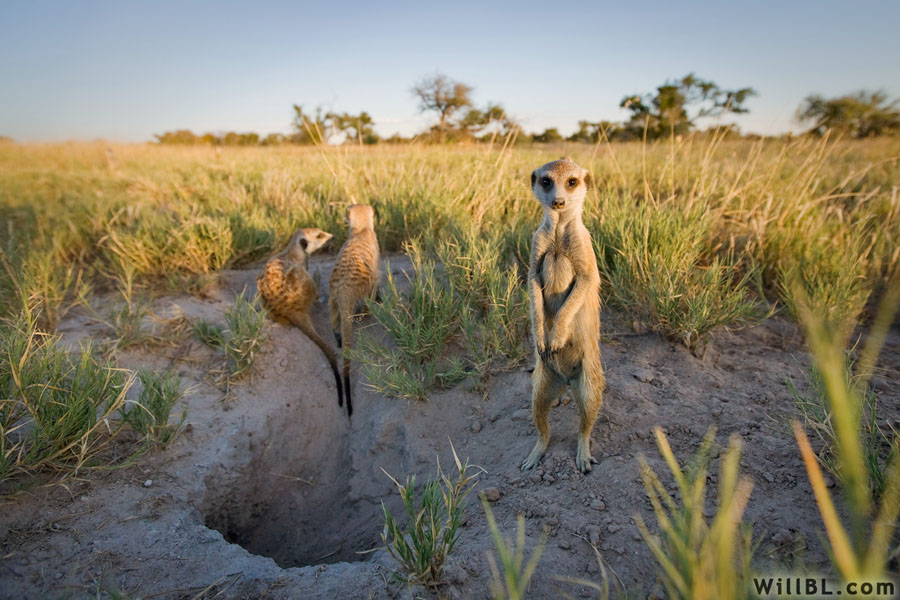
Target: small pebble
<point>598,505</point>
<point>148,483</point>
<point>644,375</point>
<point>476,427</point>
<point>491,494</point>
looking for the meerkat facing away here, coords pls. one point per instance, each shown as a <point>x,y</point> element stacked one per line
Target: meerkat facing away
<point>564,285</point>
<point>288,291</point>
<point>353,279</point>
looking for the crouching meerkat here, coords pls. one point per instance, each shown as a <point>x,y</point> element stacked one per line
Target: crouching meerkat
<point>564,286</point>
<point>353,279</point>
<point>288,291</point>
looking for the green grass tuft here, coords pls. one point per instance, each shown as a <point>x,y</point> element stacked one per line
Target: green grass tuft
<point>150,415</point>
<point>422,545</point>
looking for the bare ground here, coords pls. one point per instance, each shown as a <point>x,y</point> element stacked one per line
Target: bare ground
<point>271,493</point>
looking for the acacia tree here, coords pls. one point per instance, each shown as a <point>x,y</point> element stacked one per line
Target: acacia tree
<point>357,127</point>
<point>442,95</point>
<point>311,128</point>
<point>592,132</point>
<point>859,115</point>
<point>476,121</point>
<point>675,106</point>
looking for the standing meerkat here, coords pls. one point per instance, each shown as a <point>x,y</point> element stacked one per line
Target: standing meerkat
<point>353,279</point>
<point>564,286</point>
<point>288,291</point>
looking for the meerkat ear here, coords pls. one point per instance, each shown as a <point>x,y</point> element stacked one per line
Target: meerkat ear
<point>588,181</point>
<point>303,243</point>
<point>565,158</point>
<point>533,177</point>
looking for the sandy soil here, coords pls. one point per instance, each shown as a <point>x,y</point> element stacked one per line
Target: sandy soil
<point>271,493</point>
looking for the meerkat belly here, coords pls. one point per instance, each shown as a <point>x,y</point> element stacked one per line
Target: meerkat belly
<point>557,277</point>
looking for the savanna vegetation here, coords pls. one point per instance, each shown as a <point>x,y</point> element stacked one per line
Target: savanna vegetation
<point>692,233</point>
<point>675,108</point>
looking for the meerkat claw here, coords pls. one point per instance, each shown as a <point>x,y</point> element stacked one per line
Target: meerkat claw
<point>585,463</point>
<point>534,457</point>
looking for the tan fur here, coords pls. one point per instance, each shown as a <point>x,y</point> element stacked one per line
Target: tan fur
<point>288,291</point>
<point>564,286</point>
<point>354,278</point>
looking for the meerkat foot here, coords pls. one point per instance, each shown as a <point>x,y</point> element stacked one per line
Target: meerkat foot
<point>534,458</point>
<point>583,459</point>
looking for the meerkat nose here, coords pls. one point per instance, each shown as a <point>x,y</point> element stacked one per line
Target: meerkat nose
<point>559,202</point>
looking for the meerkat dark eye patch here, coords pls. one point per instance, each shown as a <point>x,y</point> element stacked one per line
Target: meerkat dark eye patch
<point>546,182</point>
<point>303,243</point>
<point>573,182</point>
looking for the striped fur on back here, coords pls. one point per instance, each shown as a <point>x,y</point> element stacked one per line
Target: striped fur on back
<point>354,278</point>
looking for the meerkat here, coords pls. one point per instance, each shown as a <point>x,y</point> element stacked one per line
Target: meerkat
<point>564,285</point>
<point>289,292</point>
<point>353,279</point>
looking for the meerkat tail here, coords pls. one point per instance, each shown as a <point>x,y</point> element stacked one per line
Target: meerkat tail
<point>346,330</point>
<point>307,328</point>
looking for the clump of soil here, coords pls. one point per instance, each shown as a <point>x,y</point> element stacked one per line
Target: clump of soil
<point>272,492</point>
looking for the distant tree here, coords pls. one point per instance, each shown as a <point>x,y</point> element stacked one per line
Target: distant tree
<point>476,121</point>
<point>209,139</point>
<point>397,139</point>
<point>311,128</point>
<point>592,132</point>
<point>676,106</point>
<point>548,136</point>
<point>240,139</point>
<point>274,139</point>
<point>357,127</point>
<point>181,136</point>
<point>859,115</point>
<point>440,94</point>
<point>486,125</point>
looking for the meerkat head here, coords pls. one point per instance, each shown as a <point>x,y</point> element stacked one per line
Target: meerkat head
<point>561,185</point>
<point>308,240</point>
<point>360,216</point>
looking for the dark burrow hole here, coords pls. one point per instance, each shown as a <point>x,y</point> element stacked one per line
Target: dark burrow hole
<point>292,499</point>
<point>298,529</point>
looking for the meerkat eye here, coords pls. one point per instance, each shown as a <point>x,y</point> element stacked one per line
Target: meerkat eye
<point>546,182</point>
<point>573,182</point>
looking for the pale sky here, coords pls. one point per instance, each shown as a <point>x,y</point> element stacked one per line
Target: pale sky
<point>124,70</point>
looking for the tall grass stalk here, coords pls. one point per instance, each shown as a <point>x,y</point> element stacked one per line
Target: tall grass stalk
<point>699,559</point>
<point>859,551</point>
<point>510,579</point>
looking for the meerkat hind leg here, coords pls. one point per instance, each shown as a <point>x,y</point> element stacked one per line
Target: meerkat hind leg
<point>588,392</point>
<point>546,386</point>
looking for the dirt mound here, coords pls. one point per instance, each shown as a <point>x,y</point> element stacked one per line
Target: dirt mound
<point>272,492</point>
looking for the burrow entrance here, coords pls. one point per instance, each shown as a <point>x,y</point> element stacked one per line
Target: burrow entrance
<point>299,499</point>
